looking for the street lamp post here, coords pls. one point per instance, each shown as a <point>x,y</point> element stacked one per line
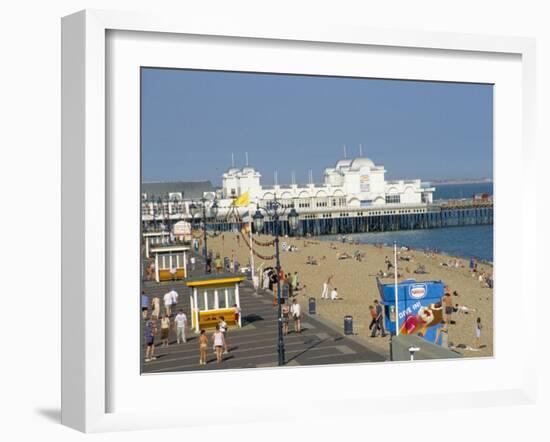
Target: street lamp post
<point>200,208</point>
<point>275,210</point>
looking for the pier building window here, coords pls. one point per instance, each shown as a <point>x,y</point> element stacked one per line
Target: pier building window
<point>321,202</point>
<point>393,199</point>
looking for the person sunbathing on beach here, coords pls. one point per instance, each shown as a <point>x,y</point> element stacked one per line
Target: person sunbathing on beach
<point>420,269</point>
<point>463,309</point>
<point>342,255</point>
<point>463,347</point>
<point>311,260</point>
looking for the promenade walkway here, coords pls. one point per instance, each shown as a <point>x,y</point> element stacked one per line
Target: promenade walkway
<point>255,344</point>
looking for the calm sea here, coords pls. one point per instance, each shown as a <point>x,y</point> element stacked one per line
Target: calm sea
<point>456,191</point>
<point>466,241</point>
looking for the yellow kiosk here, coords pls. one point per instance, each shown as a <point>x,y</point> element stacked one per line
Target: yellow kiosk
<point>170,262</point>
<point>213,296</point>
<point>152,239</point>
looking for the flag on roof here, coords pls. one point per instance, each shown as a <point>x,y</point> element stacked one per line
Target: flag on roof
<point>242,201</point>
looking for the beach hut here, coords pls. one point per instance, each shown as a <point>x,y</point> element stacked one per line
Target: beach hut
<point>152,239</point>
<point>213,296</point>
<point>170,262</point>
<point>419,307</point>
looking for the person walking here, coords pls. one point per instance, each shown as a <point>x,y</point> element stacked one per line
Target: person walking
<point>296,312</point>
<point>164,330</point>
<point>181,325</point>
<point>389,264</point>
<point>285,315</point>
<point>237,315</point>
<point>324,293</point>
<point>156,308</point>
<point>167,300</point>
<point>288,285</point>
<point>144,305</point>
<point>447,302</point>
<point>295,281</point>
<point>223,328</point>
<point>478,332</point>
<point>193,263</point>
<point>373,315</point>
<point>151,271</point>
<point>379,320</point>
<point>175,297</point>
<point>218,264</point>
<point>203,346</point>
<point>219,343</point>
<point>150,332</point>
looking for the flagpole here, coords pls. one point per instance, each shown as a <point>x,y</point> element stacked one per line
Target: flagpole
<point>395,287</point>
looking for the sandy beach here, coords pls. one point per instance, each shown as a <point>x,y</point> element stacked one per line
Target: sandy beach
<point>356,282</point>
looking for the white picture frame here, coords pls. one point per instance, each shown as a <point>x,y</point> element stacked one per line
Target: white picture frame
<point>87,217</point>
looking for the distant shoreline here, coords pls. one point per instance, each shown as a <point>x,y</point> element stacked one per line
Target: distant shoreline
<point>451,182</point>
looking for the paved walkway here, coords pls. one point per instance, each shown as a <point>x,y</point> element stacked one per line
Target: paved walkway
<point>255,344</point>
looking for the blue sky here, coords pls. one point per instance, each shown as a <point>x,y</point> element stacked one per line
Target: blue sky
<point>193,120</point>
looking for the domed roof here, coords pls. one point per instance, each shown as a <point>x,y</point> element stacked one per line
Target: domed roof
<point>248,169</point>
<point>359,162</point>
<point>232,171</point>
<point>342,163</point>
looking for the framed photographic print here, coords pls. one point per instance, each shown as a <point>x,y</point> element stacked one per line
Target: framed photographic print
<point>247,207</point>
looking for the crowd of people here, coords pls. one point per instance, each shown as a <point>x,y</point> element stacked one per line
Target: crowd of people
<point>158,323</point>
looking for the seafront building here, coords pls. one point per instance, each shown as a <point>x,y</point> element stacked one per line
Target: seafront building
<point>351,183</point>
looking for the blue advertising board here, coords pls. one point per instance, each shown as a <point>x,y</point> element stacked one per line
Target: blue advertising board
<point>419,306</point>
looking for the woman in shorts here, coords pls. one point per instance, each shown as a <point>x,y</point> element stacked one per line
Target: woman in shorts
<point>219,343</point>
<point>203,344</point>
<point>164,330</point>
<point>285,314</point>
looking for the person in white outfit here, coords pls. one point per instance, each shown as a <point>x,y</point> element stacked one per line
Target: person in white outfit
<point>169,299</point>
<point>181,324</point>
<point>334,294</point>
<point>324,294</point>
<point>296,313</point>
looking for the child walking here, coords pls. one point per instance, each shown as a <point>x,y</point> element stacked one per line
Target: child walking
<point>203,345</point>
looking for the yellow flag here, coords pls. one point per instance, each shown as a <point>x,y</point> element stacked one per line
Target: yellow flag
<point>242,201</point>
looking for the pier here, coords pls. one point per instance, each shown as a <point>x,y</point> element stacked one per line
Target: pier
<point>362,220</point>
<point>345,219</point>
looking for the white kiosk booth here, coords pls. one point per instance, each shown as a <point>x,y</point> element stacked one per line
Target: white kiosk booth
<point>152,239</point>
<point>170,262</point>
<point>214,296</point>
